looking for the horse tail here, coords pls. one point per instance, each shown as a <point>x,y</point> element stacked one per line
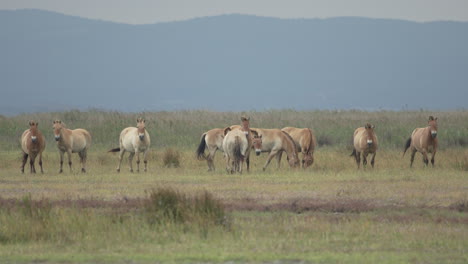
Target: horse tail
<point>114,150</point>
<point>354,153</point>
<point>201,148</point>
<point>407,145</point>
<point>237,149</point>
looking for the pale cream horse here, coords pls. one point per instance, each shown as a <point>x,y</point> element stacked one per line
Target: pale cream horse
<point>33,144</point>
<point>424,140</point>
<point>305,142</point>
<point>213,141</point>
<point>365,142</point>
<point>134,140</point>
<point>236,147</point>
<point>71,141</point>
<point>275,142</point>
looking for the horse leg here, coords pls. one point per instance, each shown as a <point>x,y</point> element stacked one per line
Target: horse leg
<point>69,160</point>
<point>270,156</point>
<point>61,161</point>
<point>137,153</point>
<point>32,159</point>
<point>121,154</point>
<point>278,159</point>
<point>145,159</point>
<point>40,162</point>
<point>358,159</point>
<point>425,158</point>
<point>364,158</point>
<point>25,158</point>
<point>130,158</point>
<point>210,158</point>
<point>82,155</point>
<point>373,159</point>
<point>433,155</point>
<point>413,152</point>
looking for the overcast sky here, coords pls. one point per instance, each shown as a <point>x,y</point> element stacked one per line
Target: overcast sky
<point>152,11</point>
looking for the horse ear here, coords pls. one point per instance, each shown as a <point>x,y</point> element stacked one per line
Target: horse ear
<point>254,132</point>
<point>226,130</point>
<point>373,126</point>
<point>436,118</point>
<point>30,123</point>
<point>431,118</point>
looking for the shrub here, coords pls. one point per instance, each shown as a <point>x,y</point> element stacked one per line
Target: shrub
<point>171,158</point>
<point>166,205</point>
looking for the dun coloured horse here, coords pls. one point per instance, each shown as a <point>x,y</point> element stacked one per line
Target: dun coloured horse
<point>365,142</point>
<point>423,140</point>
<point>33,144</point>
<point>305,142</point>
<point>235,146</point>
<point>275,142</point>
<point>134,140</point>
<point>213,141</point>
<point>71,141</point>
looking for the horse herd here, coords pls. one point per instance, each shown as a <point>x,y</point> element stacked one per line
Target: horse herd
<point>235,141</point>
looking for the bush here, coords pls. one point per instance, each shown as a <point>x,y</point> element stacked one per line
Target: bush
<point>166,205</point>
<point>171,158</point>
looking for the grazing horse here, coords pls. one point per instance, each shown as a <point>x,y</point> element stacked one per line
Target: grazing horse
<point>213,140</point>
<point>134,140</point>
<point>236,147</point>
<point>275,142</point>
<point>305,142</point>
<point>33,144</point>
<point>71,141</point>
<point>365,142</point>
<point>423,140</point>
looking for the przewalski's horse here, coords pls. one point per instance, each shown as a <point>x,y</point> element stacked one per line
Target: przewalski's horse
<point>255,140</point>
<point>71,141</point>
<point>305,142</point>
<point>134,140</point>
<point>275,142</point>
<point>213,141</point>
<point>423,140</point>
<point>33,144</point>
<point>236,147</point>
<point>365,142</point>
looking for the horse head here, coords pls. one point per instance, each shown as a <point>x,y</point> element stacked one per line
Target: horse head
<point>433,125</point>
<point>141,128</point>
<point>308,160</point>
<point>370,134</point>
<point>256,142</point>
<point>57,129</point>
<point>34,130</point>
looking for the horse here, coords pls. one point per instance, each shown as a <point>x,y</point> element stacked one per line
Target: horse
<point>134,140</point>
<point>305,142</point>
<point>71,141</point>
<point>423,140</point>
<point>275,142</point>
<point>365,142</point>
<point>32,144</point>
<point>213,140</point>
<point>235,146</point>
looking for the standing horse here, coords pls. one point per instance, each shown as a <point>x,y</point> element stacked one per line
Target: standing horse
<point>134,140</point>
<point>213,140</point>
<point>235,146</point>
<point>305,142</point>
<point>423,140</point>
<point>71,141</point>
<point>365,142</point>
<point>275,142</point>
<point>33,144</point>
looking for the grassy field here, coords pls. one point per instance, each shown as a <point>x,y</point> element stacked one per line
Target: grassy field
<point>329,213</point>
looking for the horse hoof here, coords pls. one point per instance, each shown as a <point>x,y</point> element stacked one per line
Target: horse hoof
<point>83,170</point>
<point>60,171</point>
<point>118,170</point>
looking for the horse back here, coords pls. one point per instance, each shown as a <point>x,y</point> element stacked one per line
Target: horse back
<point>214,137</point>
<point>80,139</point>
<point>421,139</point>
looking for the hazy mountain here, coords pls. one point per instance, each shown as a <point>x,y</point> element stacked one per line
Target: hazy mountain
<point>50,61</point>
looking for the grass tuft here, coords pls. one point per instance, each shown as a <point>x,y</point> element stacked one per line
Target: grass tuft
<point>171,158</point>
